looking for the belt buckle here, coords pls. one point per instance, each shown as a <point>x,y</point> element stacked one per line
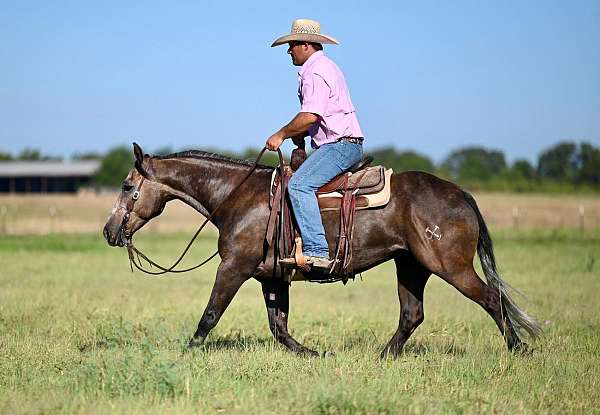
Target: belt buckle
<point>352,140</point>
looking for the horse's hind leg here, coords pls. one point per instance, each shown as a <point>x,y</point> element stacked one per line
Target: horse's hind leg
<point>276,295</point>
<point>471,286</point>
<point>412,277</point>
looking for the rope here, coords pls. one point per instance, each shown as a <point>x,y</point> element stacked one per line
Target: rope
<point>164,270</point>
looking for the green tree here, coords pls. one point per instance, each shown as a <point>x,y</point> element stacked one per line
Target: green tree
<point>519,177</point>
<point>559,162</point>
<point>402,160</point>
<point>269,158</point>
<point>163,151</point>
<point>32,154</point>
<point>91,155</point>
<point>115,166</point>
<point>474,164</point>
<point>588,160</point>
<point>523,169</point>
<point>5,156</point>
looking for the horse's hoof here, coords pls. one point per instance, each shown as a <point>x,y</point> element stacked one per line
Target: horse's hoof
<point>388,354</point>
<point>523,349</point>
<point>328,355</point>
<point>195,344</point>
<point>308,353</point>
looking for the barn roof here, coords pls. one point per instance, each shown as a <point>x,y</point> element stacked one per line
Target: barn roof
<point>49,168</point>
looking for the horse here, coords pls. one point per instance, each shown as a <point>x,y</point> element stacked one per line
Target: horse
<point>429,226</point>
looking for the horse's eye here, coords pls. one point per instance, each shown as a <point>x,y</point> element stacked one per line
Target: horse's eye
<point>127,187</point>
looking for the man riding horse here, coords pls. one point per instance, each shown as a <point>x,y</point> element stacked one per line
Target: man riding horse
<point>328,116</point>
<point>428,226</point>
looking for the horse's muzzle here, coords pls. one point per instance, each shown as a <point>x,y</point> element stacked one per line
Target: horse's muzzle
<point>114,237</point>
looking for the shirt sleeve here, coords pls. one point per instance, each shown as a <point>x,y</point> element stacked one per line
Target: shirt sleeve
<point>315,94</point>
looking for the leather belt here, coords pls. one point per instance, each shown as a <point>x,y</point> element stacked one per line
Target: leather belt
<point>353,140</point>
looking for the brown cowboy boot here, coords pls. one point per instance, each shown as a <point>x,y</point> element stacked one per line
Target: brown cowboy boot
<point>321,263</point>
<point>305,263</point>
<point>317,263</point>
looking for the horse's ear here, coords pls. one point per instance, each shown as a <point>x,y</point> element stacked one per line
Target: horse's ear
<point>139,154</point>
<point>140,168</point>
<point>139,160</point>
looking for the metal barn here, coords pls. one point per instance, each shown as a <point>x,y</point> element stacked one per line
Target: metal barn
<point>46,176</point>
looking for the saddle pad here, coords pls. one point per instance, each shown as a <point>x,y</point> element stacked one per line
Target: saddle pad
<point>333,200</point>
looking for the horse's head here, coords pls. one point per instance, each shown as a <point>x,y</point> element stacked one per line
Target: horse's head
<point>140,200</point>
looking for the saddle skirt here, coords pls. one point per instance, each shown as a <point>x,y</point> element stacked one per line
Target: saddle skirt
<point>371,186</point>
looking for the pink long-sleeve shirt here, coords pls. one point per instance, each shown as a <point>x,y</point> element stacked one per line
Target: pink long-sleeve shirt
<point>323,91</point>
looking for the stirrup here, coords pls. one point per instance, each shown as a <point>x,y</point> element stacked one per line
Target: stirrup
<point>288,262</point>
<point>308,264</point>
<point>292,262</point>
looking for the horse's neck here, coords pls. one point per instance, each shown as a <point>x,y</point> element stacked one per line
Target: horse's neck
<point>202,184</point>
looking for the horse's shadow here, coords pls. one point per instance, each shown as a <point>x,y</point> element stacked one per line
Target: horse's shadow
<point>236,343</point>
<point>241,343</point>
<point>422,349</point>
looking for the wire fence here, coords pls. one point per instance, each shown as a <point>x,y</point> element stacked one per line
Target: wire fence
<point>88,214</point>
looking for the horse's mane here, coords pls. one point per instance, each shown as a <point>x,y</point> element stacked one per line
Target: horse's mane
<point>205,155</point>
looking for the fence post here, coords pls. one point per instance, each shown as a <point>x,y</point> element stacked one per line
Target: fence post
<point>581,219</point>
<point>3,213</point>
<point>52,211</point>
<point>515,217</point>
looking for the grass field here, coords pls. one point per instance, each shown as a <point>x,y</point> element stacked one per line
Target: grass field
<point>79,333</point>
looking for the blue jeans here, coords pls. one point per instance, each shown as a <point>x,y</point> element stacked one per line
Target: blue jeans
<point>324,164</point>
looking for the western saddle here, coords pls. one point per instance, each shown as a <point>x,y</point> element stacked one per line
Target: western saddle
<point>361,187</point>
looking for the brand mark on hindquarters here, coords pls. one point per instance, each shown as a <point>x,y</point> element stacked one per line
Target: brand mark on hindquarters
<point>433,233</point>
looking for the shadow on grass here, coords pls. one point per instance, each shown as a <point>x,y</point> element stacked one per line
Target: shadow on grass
<point>412,348</point>
<point>421,349</point>
<point>109,344</point>
<point>239,343</point>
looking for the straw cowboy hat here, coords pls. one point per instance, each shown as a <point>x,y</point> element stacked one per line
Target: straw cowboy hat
<point>305,30</point>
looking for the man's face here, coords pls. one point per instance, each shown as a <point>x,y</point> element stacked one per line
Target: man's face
<point>300,52</point>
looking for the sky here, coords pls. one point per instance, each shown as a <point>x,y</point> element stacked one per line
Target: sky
<point>427,76</point>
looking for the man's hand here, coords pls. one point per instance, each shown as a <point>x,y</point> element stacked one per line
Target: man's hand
<point>298,126</point>
<point>274,142</point>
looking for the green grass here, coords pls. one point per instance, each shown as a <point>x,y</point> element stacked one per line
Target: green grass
<point>79,333</point>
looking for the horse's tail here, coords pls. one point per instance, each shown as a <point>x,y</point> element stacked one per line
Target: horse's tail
<point>522,323</point>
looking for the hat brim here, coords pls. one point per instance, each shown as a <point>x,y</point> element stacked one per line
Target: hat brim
<point>305,37</point>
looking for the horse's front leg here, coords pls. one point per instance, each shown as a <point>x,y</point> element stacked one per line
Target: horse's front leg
<point>276,294</point>
<point>230,277</point>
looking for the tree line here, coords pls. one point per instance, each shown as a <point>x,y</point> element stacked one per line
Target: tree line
<point>565,167</point>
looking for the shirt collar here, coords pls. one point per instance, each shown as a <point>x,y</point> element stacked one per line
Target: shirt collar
<point>310,61</point>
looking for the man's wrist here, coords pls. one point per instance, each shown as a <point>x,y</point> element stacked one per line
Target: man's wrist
<point>281,134</point>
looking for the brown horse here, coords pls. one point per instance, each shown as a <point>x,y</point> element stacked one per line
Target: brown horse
<point>430,226</point>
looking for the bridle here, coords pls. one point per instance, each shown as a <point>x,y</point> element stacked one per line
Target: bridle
<point>130,203</point>
<point>131,249</point>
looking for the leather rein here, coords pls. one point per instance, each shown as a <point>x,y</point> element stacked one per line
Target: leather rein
<point>131,249</point>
